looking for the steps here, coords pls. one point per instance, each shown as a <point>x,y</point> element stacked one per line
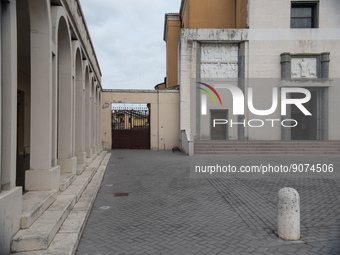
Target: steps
<point>44,229</point>
<point>34,204</point>
<point>267,147</point>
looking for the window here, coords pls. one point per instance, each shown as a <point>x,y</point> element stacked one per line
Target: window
<point>304,15</point>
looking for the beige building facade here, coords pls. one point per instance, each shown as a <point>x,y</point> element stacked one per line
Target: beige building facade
<point>164,115</point>
<point>50,102</point>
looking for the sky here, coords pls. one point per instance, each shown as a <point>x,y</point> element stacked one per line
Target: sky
<point>128,39</point>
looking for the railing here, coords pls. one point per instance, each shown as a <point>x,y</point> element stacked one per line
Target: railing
<point>130,119</point>
<point>130,128</point>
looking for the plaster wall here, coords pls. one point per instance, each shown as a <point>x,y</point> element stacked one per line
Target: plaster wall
<point>275,14</point>
<point>10,215</point>
<point>262,61</point>
<point>173,31</point>
<point>164,115</point>
<point>209,14</point>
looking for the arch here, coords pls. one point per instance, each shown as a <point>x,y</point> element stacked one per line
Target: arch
<point>65,152</point>
<point>94,115</point>
<point>88,84</point>
<point>23,91</point>
<point>79,129</point>
<point>98,120</point>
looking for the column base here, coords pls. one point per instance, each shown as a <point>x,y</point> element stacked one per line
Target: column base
<point>10,215</point>
<point>81,158</point>
<point>89,152</point>
<point>93,151</point>
<point>42,180</point>
<point>68,165</point>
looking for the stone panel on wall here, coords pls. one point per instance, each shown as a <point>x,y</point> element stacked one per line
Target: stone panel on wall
<point>219,61</point>
<point>303,68</point>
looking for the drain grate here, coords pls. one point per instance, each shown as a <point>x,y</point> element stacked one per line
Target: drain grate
<point>121,194</point>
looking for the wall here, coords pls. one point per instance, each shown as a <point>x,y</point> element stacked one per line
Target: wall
<point>270,35</point>
<point>172,36</point>
<point>214,13</point>
<point>241,13</point>
<point>262,49</point>
<point>164,115</point>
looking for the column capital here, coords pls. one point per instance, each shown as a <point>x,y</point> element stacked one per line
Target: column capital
<point>285,57</point>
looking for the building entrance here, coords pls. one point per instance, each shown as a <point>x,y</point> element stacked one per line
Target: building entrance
<point>219,132</point>
<point>130,128</point>
<point>309,127</point>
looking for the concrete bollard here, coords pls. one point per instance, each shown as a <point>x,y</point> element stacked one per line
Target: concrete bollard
<point>288,214</point>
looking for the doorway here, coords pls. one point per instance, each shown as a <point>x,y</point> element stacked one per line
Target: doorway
<point>131,127</point>
<point>219,132</point>
<point>308,127</point>
<point>22,163</point>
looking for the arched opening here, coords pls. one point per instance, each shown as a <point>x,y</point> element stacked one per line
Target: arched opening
<point>95,118</point>
<point>87,113</point>
<point>92,116</point>
<point>99,122</point>
<point>65,100</point>
<point>79,110</point>
<point>24,91</point>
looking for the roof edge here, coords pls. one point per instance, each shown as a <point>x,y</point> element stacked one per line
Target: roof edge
<point>169,16</point>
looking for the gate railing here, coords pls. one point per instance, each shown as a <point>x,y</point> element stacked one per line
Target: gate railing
<point>130,119</point>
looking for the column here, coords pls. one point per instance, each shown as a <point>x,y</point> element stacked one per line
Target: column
<point>325,65</point>
<point>286,74</point>
<point>88,114</point>
<point>324,59</point>
<point>241,85</point>
<point>41,176</point>
<point>9,94</point>
<point>0,95</point>
<point>10,196</point>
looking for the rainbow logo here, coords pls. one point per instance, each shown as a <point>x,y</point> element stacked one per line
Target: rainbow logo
<point>209,93</point>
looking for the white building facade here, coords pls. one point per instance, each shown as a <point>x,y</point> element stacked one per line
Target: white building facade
<point>50,101</point>
<point>288,45</point>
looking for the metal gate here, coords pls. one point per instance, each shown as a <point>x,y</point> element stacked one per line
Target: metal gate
<point>131,128</point>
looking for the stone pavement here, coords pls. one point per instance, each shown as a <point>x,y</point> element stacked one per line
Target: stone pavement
<point>149,203</point>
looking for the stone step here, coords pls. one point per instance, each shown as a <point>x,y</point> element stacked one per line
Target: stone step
<point>34,203</point>
<point>268,152</point>
<point>267,147</point>
<point>68,236</point>
<point>41,233</point>
<point>66,179</point>
<point>266,142</point>
<point>80,168</point>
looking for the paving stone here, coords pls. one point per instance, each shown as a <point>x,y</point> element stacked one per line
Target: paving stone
<point>169,212</point>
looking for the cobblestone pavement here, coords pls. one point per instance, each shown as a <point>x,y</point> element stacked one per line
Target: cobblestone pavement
<point>169,211</point>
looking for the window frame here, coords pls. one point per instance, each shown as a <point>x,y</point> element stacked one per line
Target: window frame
<point>314,5</point>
